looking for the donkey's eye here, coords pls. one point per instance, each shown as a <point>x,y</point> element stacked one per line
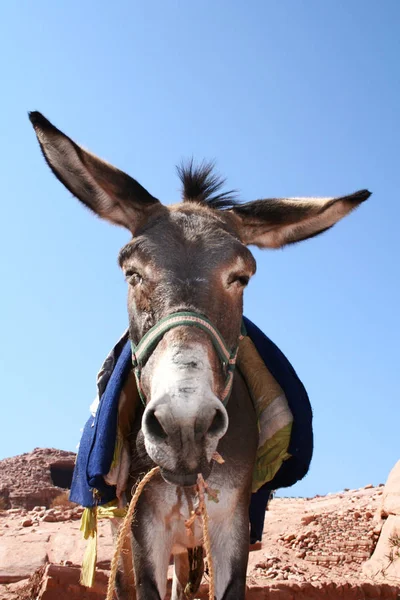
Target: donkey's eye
<point>133,277</point>
<point>242,280</point>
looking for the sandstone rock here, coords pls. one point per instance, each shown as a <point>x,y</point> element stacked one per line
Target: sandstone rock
<point>384,564</point>
<point>70,547</point>
<point>308,519</point>
<point>13,591</point>
<point>27,523</point>
<point>391,493</point>
<point>19,560</point>
<point>32,480</point>
<point>49,518</point>
<point>66,516</point>
<point>62,583</point>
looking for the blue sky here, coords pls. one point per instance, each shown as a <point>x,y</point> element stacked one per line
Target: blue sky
<point>290,98</point>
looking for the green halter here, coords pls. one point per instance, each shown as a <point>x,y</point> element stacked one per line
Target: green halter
<point>142,351</point>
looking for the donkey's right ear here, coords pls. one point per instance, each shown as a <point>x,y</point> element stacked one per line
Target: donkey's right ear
<point>107,191</point>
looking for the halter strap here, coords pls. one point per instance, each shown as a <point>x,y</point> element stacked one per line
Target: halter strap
<point>142,351</point>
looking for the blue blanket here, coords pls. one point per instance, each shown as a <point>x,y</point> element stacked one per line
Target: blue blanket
<point>96,449</point>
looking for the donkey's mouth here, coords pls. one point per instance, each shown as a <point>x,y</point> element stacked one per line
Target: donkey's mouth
<point>184,479</point>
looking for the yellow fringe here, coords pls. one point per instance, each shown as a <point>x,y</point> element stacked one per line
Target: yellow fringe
<point>111,511</point>
<point>88,527</point>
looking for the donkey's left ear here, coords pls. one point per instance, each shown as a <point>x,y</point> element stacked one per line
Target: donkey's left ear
<point>107,191</point>
<point>276,222</point>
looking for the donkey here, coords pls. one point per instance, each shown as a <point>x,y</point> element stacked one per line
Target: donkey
<point>191,257</point>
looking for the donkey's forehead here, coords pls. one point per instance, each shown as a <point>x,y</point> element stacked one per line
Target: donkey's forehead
<point>184,227</point>
<point>198,220</point>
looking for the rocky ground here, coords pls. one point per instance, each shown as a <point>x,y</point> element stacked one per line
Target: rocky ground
<point>312,548</point>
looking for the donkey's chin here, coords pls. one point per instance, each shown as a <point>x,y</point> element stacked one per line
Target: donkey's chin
<point>183,479</point>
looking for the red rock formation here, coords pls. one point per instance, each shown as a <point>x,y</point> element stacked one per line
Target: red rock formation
<point>384,564</point>
<point>35,478</point>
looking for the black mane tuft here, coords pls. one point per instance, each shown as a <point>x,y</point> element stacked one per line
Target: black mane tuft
<point>202,185</point>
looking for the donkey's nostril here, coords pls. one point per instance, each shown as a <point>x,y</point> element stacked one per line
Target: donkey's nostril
<point>218,423</point>
<point>154,427</point>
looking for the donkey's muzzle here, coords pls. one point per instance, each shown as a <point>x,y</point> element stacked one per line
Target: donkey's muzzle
<point>182,435</point>
<point>160,425</point>
<point>184,479</point>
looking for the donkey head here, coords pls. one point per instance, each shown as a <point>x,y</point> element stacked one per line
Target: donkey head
<point>190,256</point>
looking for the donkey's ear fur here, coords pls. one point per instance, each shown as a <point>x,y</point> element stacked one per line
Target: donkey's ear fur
<point>276,222</point>
<point>110,193</point>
